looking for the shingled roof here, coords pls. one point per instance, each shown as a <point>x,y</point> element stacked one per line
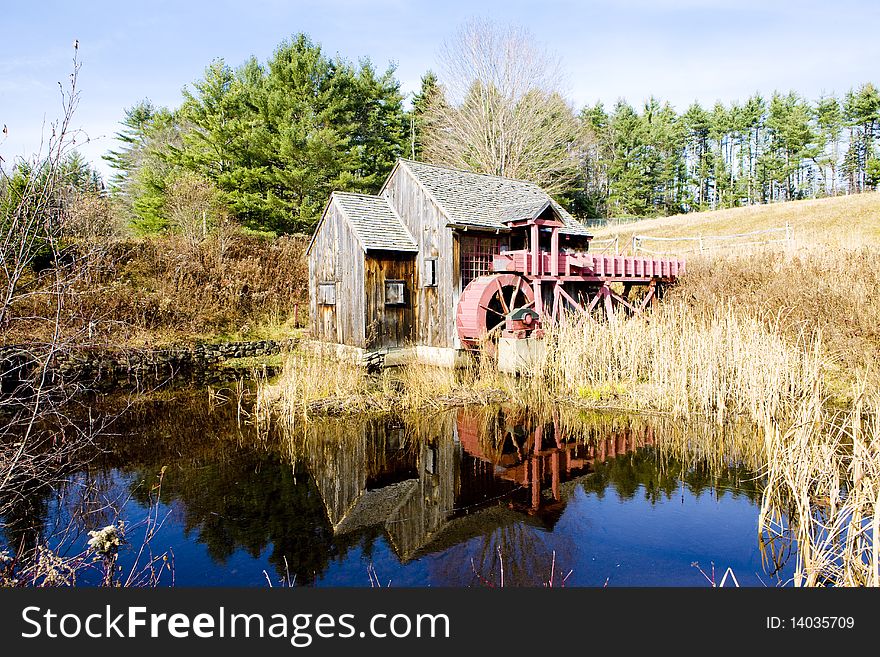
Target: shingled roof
<point>483,201</point>
<point>374,222</point>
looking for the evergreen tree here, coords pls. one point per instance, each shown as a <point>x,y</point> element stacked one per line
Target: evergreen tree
<point>133,138</point>
<point>721,134</point>
<point>590,195</point>
<point>629,189</point>
<point>829,125</point>
<point>862,113</point>
<point>379,131</point>
<point>310,118</point>
<point>699,157</point>
<point>143,164</point>
<point>429,93</point>
<point>275,140</point>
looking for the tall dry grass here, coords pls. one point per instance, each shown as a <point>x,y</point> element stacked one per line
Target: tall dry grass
<point>685,361</point>
<point>822,492</point>
<point>832,292</point>
<point>311,385</point>
<point>791,346</point>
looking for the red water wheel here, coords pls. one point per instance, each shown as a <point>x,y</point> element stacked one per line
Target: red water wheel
<point>484,303</point>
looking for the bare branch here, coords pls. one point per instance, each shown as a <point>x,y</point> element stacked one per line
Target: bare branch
<point>501,110</point>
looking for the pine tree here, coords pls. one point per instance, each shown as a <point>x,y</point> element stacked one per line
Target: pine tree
<point>379,126</point>
<point>133,137</point>
<point>429,93</point>
<point>590,195</point>
<point>862,113</point>
<point>143,164</point>
<point>699,156</point>
<point>275,140</point>
<point>629,189</point>
<point>829,125</point>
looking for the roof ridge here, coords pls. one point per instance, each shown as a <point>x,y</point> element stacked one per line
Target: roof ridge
<point>473,173</point>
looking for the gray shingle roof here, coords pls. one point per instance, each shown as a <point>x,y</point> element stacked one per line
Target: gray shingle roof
<point>480,200</point>
<point>375,223</point>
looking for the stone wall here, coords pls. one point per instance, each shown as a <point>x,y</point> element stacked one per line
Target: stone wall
<point>136,367</point>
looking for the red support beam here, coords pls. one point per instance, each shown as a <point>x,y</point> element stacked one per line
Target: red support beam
<point>569,298</point>
<point>606,298</point>
<point>536,251</point>
<point>627,304</point>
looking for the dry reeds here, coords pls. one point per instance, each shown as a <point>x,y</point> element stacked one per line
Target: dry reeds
<point>687,362</point>
<point>829,291</point>
<point>310,384</point>
<point>823,491</point>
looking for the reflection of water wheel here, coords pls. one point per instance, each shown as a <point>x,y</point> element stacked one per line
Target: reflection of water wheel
<point>485,302</point>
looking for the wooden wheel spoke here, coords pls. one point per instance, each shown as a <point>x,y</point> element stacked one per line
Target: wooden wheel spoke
<point>491,310</point>
<point>514,293</point>
<point>501,296</point>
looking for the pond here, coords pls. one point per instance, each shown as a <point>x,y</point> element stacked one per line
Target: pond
<point>465,497</point>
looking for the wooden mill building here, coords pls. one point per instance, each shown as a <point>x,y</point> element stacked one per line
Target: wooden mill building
<point>386,271</point>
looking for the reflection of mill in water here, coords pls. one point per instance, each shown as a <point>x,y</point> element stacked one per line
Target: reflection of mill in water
<point>470,471</point>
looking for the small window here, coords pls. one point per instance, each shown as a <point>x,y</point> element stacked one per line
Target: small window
<point>327,294</point>
<point>430,274</point>
<point>394,293</point>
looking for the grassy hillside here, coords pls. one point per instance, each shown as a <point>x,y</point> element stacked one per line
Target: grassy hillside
<point>844,221</point>
<point>823,287</point>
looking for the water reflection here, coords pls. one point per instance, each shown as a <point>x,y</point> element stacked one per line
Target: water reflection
<point>450,499</point>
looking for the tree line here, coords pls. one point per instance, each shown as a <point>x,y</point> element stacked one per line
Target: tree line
<point>658,162</point>
<point>266,143</point>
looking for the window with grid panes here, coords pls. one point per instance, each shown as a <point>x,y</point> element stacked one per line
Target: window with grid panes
<point>477,252</point>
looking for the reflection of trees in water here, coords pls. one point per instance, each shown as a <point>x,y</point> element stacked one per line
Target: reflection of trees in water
<point>293,491</point>
<point>661,475</point>
<point>249,500</point>
<point>26,519</point>
<point>232,491</point>
<point>522,553</point>
<point>297,493</point>
<point>59,517</point>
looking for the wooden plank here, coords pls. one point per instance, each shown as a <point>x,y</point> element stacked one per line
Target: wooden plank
<point>337,257</point>
<point>434,307</point>
<point>391,325</point>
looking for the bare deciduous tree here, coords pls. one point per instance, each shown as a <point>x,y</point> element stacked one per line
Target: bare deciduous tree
<point>501,111</point>
<point>39,269</point>
<point>193,207</point>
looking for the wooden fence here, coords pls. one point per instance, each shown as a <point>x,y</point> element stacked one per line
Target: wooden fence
<point>709,243</point>
<point>606,246</point>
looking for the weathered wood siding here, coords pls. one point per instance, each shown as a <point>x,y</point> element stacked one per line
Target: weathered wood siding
<point>336,256</point>
<point>389,325</point>
<point>434,306</point>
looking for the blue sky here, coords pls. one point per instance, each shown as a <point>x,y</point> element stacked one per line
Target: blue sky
<point>677,50</point>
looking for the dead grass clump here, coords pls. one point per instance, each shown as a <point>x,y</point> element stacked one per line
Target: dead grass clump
<point>309,384</point>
